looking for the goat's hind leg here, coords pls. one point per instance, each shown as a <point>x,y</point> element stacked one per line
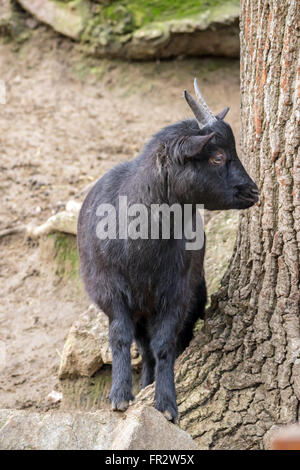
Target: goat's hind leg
<point>148,361</point>
<point>120,339</point>
<point>163,345</point>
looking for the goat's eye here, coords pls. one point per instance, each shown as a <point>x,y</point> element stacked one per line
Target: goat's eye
<point>218,159</point>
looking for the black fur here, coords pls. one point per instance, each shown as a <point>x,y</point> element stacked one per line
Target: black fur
<point>154,290</point>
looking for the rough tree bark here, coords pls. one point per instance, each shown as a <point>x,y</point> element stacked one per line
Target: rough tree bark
<point>241,376</point>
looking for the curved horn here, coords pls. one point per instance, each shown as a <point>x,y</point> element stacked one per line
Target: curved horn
<point>209,115</point>
<point>200,108</point>
<point>198,112</point>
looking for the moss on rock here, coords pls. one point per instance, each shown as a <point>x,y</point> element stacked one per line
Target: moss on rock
<point>144,12</point>
<point>86,393</point>
<point>148,29</point>
<point>145,29</point>
<point>66,255</point>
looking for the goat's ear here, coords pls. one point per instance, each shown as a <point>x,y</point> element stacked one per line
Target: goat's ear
<point>195,144</point>
<point>222,114</point>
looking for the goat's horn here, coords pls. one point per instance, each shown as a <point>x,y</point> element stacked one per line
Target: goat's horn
<point>201,118</point>
<point>220,116</point>
<point>209,115</point>
<point>200,109</point>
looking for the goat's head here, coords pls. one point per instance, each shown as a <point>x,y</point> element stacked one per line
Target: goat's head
<point>210,171</point>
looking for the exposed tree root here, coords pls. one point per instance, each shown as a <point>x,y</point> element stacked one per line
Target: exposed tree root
<point>65,221</point>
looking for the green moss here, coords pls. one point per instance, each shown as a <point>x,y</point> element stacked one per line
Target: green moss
<point>121,18</point>
<point>86,393</point>
<point>148,11</point>
<point>66,255</point>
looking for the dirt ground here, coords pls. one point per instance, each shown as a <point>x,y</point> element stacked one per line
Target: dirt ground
<point>67,120</point>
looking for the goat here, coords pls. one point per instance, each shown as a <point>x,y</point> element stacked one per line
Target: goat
<point>153,290</point>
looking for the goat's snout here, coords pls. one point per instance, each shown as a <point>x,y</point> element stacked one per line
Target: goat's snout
<point>247,192</point>
<point>254,191</point>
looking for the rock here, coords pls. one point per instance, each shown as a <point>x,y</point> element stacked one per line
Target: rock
<point>54,430</point>
<point>65,18</point>
<point>83,349</point>
<point>146,428</point>
<point>208,30</point>
<point>141,427</point>
<point>200,36</point>
<point>86,348</point>
<point>134,30</point>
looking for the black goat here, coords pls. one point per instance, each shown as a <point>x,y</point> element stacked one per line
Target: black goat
<point>153,289</point>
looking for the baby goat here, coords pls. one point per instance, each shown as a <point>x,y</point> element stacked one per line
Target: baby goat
<point>153,289</point>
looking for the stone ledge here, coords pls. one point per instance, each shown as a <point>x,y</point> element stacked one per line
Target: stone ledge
<point>141,427</point>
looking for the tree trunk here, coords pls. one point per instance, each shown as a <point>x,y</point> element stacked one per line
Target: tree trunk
<point>241,376</point>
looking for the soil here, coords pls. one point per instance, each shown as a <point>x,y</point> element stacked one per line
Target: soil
<point>68,119</point>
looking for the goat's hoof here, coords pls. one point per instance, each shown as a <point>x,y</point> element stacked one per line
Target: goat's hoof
<point>121,406</point>
<point>167,414</point>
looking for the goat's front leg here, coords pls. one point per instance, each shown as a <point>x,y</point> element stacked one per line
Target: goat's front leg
<point>120,339</point>
<point>164,349</point>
